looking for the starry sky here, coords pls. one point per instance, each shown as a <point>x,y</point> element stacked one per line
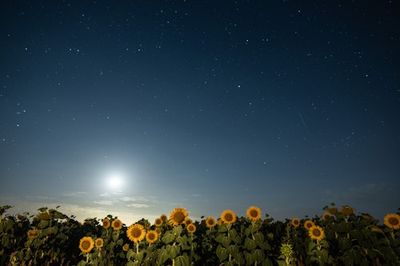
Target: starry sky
<point>136,107</point>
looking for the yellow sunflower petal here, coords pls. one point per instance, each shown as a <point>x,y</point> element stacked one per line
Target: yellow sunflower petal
<point>308,224</point>
<point>116,224</point>
<point>191,228</point>
<point>210,222</point>
<point>392,220</point>
<point>136,233</point>
<point>106,223</point>
<point>178,216</point>
<point>253,213</point>
<point>228,217</point>
<point>316,233</point>
<point>152,236</point>
<point>99,242</point>
<point>295,222</point>
<point>86,244</point>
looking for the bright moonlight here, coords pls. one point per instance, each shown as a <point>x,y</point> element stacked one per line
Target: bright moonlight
<point>114,181</point>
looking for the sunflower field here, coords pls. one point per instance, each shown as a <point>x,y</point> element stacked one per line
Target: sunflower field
<point>337,237</point>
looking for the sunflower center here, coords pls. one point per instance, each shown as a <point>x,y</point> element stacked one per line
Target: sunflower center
<point>210,222</point>
<point>308,225</point>
<point>85,244</point>
<point>316,232</point>
<point>228,217</point>
<point>393,221</point>
<point>296,222</point>
<point>136,232</point>
<point>253,213</point>
<point>179,217</point>
<point>151,236</point>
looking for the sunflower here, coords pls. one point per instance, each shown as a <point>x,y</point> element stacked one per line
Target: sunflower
<point>316,232</point>
<point>332,210</point>
<point>99,242</point>
<point>106,223</point>
<point>191,228</point>
<point>158,222</point>
<point>151,236</point>
<point>392,220</point>
<point>295,222</point>
<point>163,218</point>
<point>347,210</point>
<point>33,233</point>
<point>136,232</point>
<point>308,224</point>
<point>116,224</point>
<point>125,247</point>
<point>187,221</point>
<point>210,222</point>
<point>228,217</point>
<point>86,244</point>
<point>44,216</point>
<point>326,216</point>
<point>253,213</point>
<point>178,216</point>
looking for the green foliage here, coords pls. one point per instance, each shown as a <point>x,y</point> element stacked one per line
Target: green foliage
<point>52,238</point>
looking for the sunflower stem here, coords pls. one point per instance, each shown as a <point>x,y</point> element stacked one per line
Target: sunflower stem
<point>287,260</point>
<point>191,247</point>
<point>229,236</point>
<point>252,229</point>
<point>137,247</point>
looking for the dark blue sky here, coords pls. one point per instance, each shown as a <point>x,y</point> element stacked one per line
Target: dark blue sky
<point>202,104</point>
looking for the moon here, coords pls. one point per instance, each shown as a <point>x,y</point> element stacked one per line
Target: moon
<point>115,181</point>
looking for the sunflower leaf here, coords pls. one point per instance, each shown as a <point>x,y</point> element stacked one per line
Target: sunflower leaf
<point>177,230</point>
<point>168,237</point>
<point>222,253</point>
<point>182,260</point>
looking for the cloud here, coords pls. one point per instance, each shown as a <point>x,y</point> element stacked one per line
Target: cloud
<point>81,212</point>
<point>138,205</point>
<point>74,194</point>
<point>37,197</point>
<point>134,199</point>
<point>104,202</point>
<point>136,202</point>
<point>110,194</point>
<point>362,193</point>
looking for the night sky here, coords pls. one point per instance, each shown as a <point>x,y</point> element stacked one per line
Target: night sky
<point>136,107</point>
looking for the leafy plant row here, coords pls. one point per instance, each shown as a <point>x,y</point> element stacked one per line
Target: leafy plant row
<point>338,237</point>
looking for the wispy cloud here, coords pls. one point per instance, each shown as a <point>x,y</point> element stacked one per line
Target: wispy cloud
<point>104,202</point>
<point>138,205</point>
<point>81,211</point>
<point>74,194</point>
<point>362,193</point>
<point>134,199</point>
